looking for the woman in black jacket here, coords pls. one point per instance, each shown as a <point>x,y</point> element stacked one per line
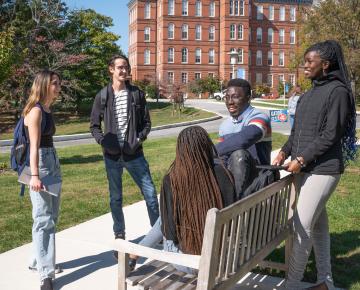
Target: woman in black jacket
<point>321,143</point>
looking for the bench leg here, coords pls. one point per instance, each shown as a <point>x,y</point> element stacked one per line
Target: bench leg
<point>123,270</point>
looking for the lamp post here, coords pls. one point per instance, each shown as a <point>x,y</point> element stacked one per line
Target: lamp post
<point>233,60</point>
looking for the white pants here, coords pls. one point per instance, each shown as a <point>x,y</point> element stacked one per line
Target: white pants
<point>312,229</point>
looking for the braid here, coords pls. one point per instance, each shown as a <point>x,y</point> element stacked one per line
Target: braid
<point>330,50</point>
<point>194,187</point>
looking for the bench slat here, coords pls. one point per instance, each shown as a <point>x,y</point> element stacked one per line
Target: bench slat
<point>171,279</point>
<point>143,271</point>
<point>266,223</point>
<point>243,237</point>
<point>237,242</point>
<point>250,240</point>
<point>182,282</point>
<point>253,247</point>
<point>276,217</point>
<point>271,218</point>
<point>231,247</point>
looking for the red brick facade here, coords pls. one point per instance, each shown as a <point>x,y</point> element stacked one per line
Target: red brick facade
<point>164,43</point>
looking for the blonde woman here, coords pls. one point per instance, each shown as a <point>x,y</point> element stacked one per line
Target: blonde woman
<point>40,129</point>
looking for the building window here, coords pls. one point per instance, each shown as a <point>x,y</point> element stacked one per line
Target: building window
<point>270,80</point>
<point>236,7</point>
<point>211,75</point>
<point>270,57</point>
<point>184,55</point>
<point>249,57</point>
<point>170,77</point>
<point>281,79</point>
<point>170,55</point>
<point>198,8</point>
<point>211,56</point>
<point>271,12</point>
<point>240,55</point>
<point>240,32</point>
<point>292,80</point>
<point>184,7</point>
<point>259,35</point>
<point>171,27</point>
<point>231,12</point>
<point>281,58</point>
<point>270,35</point>
<point>292,36</point>
<point>147,34</point>
<point>232,31</point>
<point>212,32</point>
<point>197,76</point>
<point>212,9</point>
<point>146,56</point>
<point>282,13</point>
<point>259,12</point>
<point>171,7</point>
<point>184,78</point>
<point>292,13</point>
<point>292,56</point>
<point>184,31</point>
<point>281,36</point>
<point>198,55</point>
<point>198,32</point>
<point>258,78</point>
<point>259,57</point>
<point>147,10</point>
<point>241,7</point>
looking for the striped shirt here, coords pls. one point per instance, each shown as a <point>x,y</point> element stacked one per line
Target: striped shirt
<point>121,114</point>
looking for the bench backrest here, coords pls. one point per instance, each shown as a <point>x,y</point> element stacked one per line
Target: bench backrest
<point>240,236</point>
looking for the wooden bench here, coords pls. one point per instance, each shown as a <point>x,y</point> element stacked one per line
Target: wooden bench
<point>236,240</point>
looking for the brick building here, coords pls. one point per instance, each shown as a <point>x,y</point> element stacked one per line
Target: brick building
<point>177,41</point>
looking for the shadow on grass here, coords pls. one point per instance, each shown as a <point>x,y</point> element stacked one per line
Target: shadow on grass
<point>345,260</point>
<point>79,159</point>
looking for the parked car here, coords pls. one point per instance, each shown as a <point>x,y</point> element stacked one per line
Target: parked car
<point>219,96</point>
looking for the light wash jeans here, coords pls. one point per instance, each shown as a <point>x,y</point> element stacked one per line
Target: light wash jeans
<point>312,229</point>
<point>140,172</point>
<point>154,236</point>
<point>45,212</point>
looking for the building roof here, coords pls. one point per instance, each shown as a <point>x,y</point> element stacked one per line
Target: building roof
<point>286,1</point>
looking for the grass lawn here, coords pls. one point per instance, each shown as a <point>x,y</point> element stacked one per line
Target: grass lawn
<point>279,101</point>
<point>85,196</point>
<point>161,114</point>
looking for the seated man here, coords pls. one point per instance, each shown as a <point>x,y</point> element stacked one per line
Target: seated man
<point>245,137</point>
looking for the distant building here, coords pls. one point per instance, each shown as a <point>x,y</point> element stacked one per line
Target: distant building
<point>177,41</point>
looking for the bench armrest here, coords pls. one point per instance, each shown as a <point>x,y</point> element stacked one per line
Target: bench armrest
<point>186,260</point>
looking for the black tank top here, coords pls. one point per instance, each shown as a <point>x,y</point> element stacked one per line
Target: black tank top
<point>46,139</point>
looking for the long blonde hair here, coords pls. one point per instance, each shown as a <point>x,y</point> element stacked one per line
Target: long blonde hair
<point>39,89</point>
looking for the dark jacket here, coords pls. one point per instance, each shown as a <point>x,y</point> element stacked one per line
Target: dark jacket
<point>138,128</point>
<point>227,190</point>
<point>320,120</point>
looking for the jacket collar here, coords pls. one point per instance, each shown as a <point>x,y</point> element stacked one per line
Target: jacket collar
<point>331,76</point>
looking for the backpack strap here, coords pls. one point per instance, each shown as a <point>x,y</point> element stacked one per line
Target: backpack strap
<point>103,100</point>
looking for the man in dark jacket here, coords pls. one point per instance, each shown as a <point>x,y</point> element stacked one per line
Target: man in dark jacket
<point>122,109</point>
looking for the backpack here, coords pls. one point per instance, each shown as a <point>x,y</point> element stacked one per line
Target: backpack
<point>20,150</point>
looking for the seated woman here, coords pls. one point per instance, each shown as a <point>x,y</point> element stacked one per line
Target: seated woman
<point>196,182</point>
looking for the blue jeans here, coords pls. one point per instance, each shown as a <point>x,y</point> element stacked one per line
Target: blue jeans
<point>140,172</point>
<point>45,212</point>
<point>291,118</point>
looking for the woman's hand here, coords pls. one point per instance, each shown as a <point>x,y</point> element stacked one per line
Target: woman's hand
<point>293,166</point>
<point>35,184</point>
<point>279,159</point>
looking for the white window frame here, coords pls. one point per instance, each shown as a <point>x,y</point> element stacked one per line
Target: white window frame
<point>171,55</point>
<point>270,80</point>
<point>212,32</point>
<point>270,58</point>
<point>147,32</point>
<point>147,56</point>
<point>259,12</point>
<point>292,36</point>
<point>270,38</point>
<point>281,78</point>
<point>212,9</point>
<point>240,32</point>
<point>211,56</point>
<point>184,57</point>
<point>259,78</point>
<point>282,13</point>
<point>281,58</point>
<point>198,29</point>
<point>198,8</point>
<point>170,77</point>
<point>197,74</point>
<point>171,7</point>
<point>292,13</point>
<point>240,52</point>
<point>241,8</point>
<point>292,79</point>
<point>259,57</point>
<point>236,7</point>
<point>259,38</point>
<point>184,77</point>
<point>231,6</point>
<point>184,7</point>
<point>147,10</point>
<point>211,74</point>
<point>281,36</point>
<point>171,31</point>
<point>232,31</point>
<point>271,12</point>
<point>198,55</point>
<point>184,30</point>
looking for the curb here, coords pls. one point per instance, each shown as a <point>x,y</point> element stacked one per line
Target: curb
<point>88,135</point>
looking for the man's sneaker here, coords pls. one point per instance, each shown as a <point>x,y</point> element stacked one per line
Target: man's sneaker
<point>46,284</point>
<point>118,236</point>
<point>58,269</point>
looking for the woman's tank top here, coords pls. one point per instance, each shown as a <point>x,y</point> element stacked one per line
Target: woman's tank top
<point>46,139</point>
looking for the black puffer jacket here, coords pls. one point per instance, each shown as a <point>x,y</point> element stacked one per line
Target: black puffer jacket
<point>320,120</point>
<point>138,128</point>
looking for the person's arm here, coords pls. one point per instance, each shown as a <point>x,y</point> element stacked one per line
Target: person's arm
<point>95,120</point>
<point>33,122</point>
<point>145,119</point>
<point>337,116</point>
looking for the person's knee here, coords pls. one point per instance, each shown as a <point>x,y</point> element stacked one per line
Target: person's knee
<point>241,155</point>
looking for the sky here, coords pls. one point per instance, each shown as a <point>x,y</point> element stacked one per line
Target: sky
<point>116,9</point>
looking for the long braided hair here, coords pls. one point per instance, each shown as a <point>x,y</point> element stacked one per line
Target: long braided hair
<point>194,187</point>
<point>330,50</point>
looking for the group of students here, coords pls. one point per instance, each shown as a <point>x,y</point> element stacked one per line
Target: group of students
<point>204,175</point>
